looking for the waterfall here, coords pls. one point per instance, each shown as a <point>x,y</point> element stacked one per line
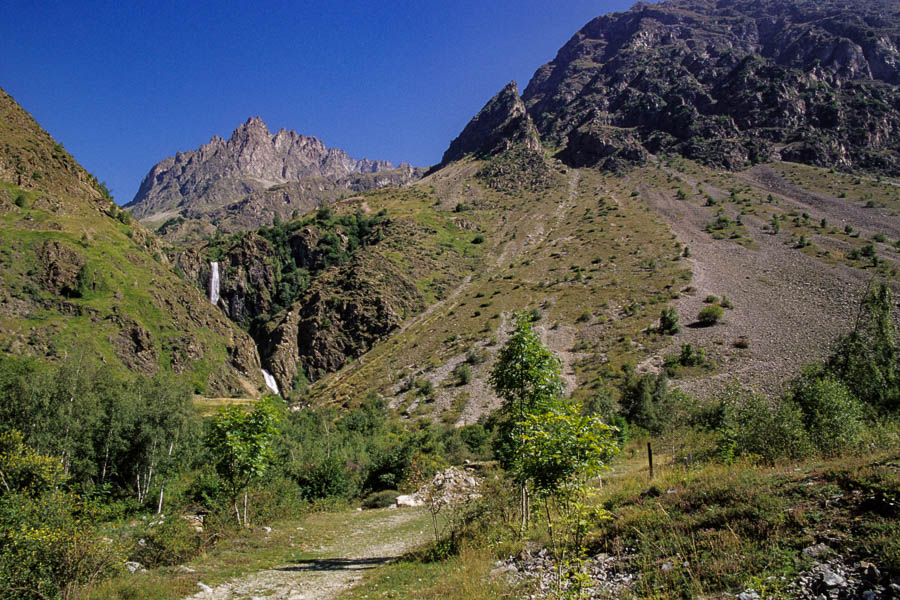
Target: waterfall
<point>214,282</point>
<point>270,381</point>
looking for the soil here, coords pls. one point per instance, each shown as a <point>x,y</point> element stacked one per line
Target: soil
<point>788,306</point>
<point>357,544</point>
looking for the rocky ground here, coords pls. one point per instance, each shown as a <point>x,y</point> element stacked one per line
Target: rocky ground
<point>786,303</point>
<point>359,543</point>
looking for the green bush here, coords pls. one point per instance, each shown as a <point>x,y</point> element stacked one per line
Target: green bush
<point>668,321</point>
<point>710,315</point>
<point>478,239</point>
<point>381,499</point>
<point>832,415</point>
<point>167,540</point>
<point>462,373</point>
<point>756,427</point>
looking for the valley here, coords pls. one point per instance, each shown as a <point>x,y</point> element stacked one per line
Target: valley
<point>635,335</point>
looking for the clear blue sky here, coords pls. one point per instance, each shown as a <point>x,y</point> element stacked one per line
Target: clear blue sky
<point>123,85</point>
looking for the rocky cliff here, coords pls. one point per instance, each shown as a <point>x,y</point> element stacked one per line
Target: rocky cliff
<point>241,183</point>
<point>728,83</point>
<point>500,125</point>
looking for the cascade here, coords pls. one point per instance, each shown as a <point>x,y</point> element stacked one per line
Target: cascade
<point>214,282</point>
<point>270,381</point>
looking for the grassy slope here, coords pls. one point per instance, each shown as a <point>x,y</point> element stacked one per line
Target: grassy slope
<point>596,258</point>
<point>62,203</point>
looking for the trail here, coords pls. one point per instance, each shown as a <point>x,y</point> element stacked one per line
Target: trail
<point>356,542</point>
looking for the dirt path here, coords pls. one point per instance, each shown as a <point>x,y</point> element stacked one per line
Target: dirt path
<point>353,542</point>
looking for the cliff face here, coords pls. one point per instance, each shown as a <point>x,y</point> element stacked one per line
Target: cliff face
<point>501,124</point>
<point>240,183</point>
<point>729,83</point>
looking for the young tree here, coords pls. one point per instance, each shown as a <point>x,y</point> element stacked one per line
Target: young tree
<point>866,359</point>
<point>241,443</point>
<point>526,376</point>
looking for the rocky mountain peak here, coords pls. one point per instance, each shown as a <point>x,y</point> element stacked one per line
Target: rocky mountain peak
<point>502,123</point>
<point>728,83</point>
<point>224,173</point>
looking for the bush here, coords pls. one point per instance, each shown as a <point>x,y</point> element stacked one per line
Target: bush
<point>478,239</point>
<point>20,200</point>
<point>462,373</point>
<point>168,540</point>
<point>381,499</point>
<point>832,415</point>
<point>668,321</point>
<point>755,427</point>
<point>710,315</point>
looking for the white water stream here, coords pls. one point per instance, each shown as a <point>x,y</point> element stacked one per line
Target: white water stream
<point>270,381</point>
<point>214,282</point>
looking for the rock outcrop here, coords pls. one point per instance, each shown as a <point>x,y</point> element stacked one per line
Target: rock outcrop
<point>243,182</point>
<point>500,125</point>
<point>728,83</point>
<point>725,83</point>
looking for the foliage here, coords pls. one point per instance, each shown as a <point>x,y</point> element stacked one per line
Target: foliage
<point>760,428</point>
<point>562,446</point>
<point>710,315</point>
<point>833,417</point>
<point>866,359</point>
<point>49,546</point>
<point>526,376</point>
<point>241,443</point>
<point>668,321</point>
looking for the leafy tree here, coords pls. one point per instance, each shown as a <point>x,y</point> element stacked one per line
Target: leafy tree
<point>866,359</point>
<point>241,443</point>
<point>526,376</point>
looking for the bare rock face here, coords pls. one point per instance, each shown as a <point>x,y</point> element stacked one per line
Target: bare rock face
<point>339,319</point>
<point>728,83</point>
<point>501,124</point>
<point>241,183</point>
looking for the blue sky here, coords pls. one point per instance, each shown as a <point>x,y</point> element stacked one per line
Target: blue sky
<point>123,85</point>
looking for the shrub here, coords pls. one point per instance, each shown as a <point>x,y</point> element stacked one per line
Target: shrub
<point>20,200</point>
<point>381,499</point>
<point>668,321</point>
<point>711,299</point>
<point>755,427</point>
<point>462,373</point>
<point>478,239</point>
<point>725,302</point>
<point>831,414</point>
<point>710,315</point>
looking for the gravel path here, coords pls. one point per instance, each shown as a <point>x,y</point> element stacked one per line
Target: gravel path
<point>358,542</point>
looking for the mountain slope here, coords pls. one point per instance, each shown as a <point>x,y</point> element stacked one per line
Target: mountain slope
<point>239,183</point>
<point>729,83</point>
<point>82,278</point>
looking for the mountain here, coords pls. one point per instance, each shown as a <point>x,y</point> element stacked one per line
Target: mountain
<point>83,279</point>
<point>729,83</point>
<point>240,183</point>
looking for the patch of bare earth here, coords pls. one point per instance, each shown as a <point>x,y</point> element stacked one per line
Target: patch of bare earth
<point>360,543</point>
<point>788,306</point>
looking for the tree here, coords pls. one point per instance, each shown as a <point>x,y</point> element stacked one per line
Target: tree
<point>866,359</point>
<point>241,443</point>
<point>526,376</point>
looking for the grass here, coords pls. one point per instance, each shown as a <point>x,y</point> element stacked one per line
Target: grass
<point>724,528</point>
<point>463,577</point>
<point>317,536</point>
